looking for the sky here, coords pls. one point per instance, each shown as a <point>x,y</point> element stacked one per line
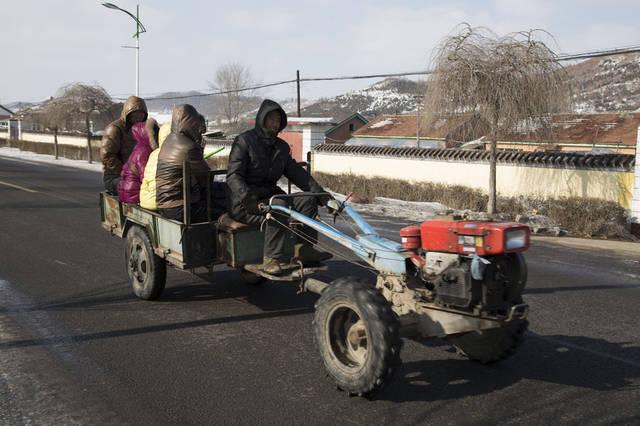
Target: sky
<point>49,43</point>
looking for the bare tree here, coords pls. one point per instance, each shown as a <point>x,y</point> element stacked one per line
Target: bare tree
<point>78,102</point>
<point>230,78</point>
<point>500,83</point>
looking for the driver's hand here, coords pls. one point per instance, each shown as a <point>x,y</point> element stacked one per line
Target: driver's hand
<point>333,206</point>
<point>324,198</point>
<point>250,204</point>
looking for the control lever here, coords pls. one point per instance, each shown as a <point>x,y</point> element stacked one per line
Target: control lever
<point>336,207</point>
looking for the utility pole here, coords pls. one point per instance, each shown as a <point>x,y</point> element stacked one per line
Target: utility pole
<point>418,124</point>
<point>139,29</point>
<point>298,86</point>
<point>137,50</point>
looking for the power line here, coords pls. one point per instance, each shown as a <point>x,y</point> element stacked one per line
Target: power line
<point>562,57</point>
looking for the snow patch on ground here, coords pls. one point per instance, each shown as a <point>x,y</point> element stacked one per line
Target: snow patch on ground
<point>416,211</point>
<point>49,159</point>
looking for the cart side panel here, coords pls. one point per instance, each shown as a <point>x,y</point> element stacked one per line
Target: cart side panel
<point>245,246</point>
<point>169,234</point>
<point>199,244</point>
<point>111,214</point>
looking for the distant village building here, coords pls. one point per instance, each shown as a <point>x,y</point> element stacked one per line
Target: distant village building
<point>601,132</point>
<point>303,133</point>
<point>342,131</point>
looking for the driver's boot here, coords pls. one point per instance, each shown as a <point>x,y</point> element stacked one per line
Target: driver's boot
<point>271,266</point>
<point>309,255</point>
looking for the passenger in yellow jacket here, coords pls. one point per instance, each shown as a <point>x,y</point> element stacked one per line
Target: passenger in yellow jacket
<point>148,187</point>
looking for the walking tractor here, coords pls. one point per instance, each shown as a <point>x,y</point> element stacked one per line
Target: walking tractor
<point>454,279</point>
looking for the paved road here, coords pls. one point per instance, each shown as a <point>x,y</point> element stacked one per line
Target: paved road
<point>77,347</point>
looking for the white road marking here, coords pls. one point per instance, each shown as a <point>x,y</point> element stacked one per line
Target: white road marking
<point>12,185</point>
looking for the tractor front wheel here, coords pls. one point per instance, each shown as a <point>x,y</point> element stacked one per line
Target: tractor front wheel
<point>357,335</point>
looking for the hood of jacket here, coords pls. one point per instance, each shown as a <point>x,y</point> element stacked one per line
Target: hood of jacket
<point>133,103</point>
<point>266,107</point>
<point>186,121</point>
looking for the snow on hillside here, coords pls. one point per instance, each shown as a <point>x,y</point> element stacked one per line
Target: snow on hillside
<point>390,96</point>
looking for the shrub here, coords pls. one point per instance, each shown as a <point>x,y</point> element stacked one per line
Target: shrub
<point>582,217</point>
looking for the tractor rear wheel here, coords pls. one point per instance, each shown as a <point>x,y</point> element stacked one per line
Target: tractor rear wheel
<point>495,344</point>
<point>357,335</point>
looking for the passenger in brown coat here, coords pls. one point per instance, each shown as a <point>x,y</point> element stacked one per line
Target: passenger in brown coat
<point>184,143</point>
<point>118,142</point>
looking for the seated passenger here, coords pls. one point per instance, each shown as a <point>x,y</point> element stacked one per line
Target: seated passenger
<point>132,172</point>
<point>118,142</point>
<point>184,143</point>
<point>258,159</point>
<point>148,186</point>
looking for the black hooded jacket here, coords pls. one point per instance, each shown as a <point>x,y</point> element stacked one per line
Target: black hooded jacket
<point>258,160</point>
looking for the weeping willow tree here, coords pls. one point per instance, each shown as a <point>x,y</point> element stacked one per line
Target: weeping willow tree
<point>503,84</point>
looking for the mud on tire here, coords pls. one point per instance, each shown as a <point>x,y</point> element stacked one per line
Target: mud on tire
<point>147,271</point>
<point>357,335</point>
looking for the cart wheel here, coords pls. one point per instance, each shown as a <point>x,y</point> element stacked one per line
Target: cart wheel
<point>357,335</point>
<point>147,271</point>
<point>251,279</point>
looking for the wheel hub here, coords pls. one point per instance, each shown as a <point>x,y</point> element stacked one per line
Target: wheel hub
<point>138,263</point>
<point>348,336</point>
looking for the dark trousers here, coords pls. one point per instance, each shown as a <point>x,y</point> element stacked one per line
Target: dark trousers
<point>111,183</point>
<point>275,234</point>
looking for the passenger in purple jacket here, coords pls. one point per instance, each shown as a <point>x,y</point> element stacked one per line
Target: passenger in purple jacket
<point>145,134</point>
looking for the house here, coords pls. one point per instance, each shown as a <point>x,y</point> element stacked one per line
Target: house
<point>342,131</point>
<point>396,131</point>
<point>602,132</point>
<point>303,133</point>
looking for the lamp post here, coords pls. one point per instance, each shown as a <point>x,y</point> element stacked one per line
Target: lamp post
<point>139,29</point>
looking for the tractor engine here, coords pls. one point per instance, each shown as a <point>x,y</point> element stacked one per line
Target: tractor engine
<point>472,265</point>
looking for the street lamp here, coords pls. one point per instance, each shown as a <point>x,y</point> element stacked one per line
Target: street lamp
<point>139,29</point>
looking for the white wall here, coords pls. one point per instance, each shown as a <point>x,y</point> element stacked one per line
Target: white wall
<point>512,179</point>
<point>635,204</point>
<point>62,139</point>
<point>312,135</point>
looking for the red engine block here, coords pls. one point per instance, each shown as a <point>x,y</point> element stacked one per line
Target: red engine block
<point>467,237</point>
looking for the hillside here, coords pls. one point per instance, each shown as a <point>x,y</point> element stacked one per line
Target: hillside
<point>606,84</point>
<point>390,96</point>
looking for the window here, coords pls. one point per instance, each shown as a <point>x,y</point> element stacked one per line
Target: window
<point>352,127</point>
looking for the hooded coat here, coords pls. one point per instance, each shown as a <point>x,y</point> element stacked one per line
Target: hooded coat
<point>148,186</point>
<point>118,142</point>
<point>183,143</point>
<point>258,160</point>
<point>133,170</point>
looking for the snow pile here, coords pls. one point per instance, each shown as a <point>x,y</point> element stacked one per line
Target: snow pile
<point>49,159</point>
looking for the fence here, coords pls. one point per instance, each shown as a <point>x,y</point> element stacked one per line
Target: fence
<point>533,174</point>
<point>74,147</point>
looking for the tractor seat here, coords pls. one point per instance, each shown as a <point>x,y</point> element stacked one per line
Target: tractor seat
<point>227,222</point>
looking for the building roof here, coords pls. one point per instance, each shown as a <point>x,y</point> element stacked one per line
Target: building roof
<point>601,128</point>
<point>346,120</point>
<point>299,121</point>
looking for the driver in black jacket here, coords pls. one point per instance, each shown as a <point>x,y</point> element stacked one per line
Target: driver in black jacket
<point>258,159</point>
